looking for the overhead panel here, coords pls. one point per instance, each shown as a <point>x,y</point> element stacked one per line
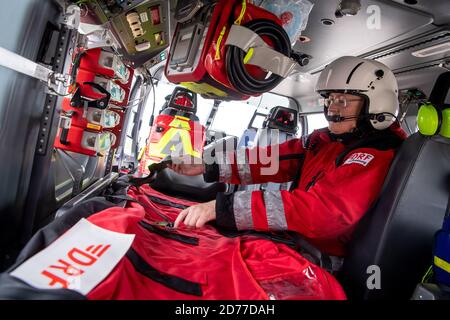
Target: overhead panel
<point>142,26</point>
<point>428,50</point>
<point>378,24</point>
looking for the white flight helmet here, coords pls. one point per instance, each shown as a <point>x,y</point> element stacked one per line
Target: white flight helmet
<point>370,79</point>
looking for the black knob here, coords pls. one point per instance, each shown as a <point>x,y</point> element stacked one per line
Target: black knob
<point>379,73</point>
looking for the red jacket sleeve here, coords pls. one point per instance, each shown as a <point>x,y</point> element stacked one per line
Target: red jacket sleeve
<point>328,209</point>
<point>276,163</point>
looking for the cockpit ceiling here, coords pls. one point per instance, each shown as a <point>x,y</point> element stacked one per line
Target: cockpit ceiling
<point>390,31</point>
<point>375,26</point>
<point>404,30</point>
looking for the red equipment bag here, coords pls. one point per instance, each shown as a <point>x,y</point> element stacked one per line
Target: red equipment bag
<point>93,118</point>
<point>117,130</point>
<point>175,134</point>
<point>105,69</point>
<point>163,263</point>
<point>105,63</point>
<point>74,130</point>
<point>176,130</point>
<point>81,128</point>
<point>201,263</point>
<point>208,67</point>
<point>117,92</point>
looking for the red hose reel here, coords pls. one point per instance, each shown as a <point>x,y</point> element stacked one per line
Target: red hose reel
<point>198,56</point>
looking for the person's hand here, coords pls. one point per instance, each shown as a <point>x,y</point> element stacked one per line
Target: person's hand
<point>196,216</point>
<point>187,165</point>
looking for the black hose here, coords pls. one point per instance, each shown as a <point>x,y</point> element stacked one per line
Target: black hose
<point>238,75</point>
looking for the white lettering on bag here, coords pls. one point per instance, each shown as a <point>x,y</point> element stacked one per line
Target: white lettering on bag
<point>79,260</point>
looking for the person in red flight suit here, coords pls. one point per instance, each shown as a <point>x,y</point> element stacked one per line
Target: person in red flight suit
<point>344,165</point>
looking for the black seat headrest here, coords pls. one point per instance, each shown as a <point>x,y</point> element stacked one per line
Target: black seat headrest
<point>175,112</point>
<point>183,99</point>
<point>283,119</point>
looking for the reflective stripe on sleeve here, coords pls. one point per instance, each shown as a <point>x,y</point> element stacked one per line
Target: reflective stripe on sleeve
<point>243,166</point>
<point>276,217</point>
<point>242,207</point>
<point>225,170</point>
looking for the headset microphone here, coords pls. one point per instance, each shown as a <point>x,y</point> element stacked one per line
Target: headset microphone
<point>380,117</point>
<point>337,118</point>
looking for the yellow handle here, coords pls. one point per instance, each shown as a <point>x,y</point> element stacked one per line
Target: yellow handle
<point>241,15</point>
<point>219,41</point>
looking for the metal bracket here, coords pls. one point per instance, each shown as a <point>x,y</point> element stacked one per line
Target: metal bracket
<point>75,174</point>
<point>445,65</point>
<point>99,37</point>
<point>66,43</point>
<point>109,161</point>
<point>65,122</point>
<point>186,10</point>
<point>72,17</point>
<point>58,83</point>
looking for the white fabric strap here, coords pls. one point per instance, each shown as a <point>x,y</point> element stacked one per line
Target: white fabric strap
<point>13,61</point>
<point>263,56</point>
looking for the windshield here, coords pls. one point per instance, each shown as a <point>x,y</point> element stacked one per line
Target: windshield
<point>234,117</point>
<point>316,121</point>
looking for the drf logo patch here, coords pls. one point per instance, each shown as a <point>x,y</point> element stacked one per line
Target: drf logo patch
<point>78,260</point>
<point>360,158</point>
<point>73,264</point>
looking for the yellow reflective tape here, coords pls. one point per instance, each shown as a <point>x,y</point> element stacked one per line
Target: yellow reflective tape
<point>204,88</point>
<point>248,56</point>
<point>141,153</point>
<point>94,126</point>
<point>441,264</point>
<point>241,15</point>
<point>166,138</point>
<point>156,148</point>
<point>180,122</point>
<point>187,144</point>
<point>183,118</point>
<point>219,41</point>
<point>427,275</point>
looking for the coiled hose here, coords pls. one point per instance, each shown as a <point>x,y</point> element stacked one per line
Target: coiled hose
<point>238,75</point>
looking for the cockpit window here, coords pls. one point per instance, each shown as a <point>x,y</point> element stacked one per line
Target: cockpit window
<point>235,116</point>
<point>316,121</point>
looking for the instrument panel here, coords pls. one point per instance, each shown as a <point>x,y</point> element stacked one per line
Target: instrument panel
<point>142,26</point>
